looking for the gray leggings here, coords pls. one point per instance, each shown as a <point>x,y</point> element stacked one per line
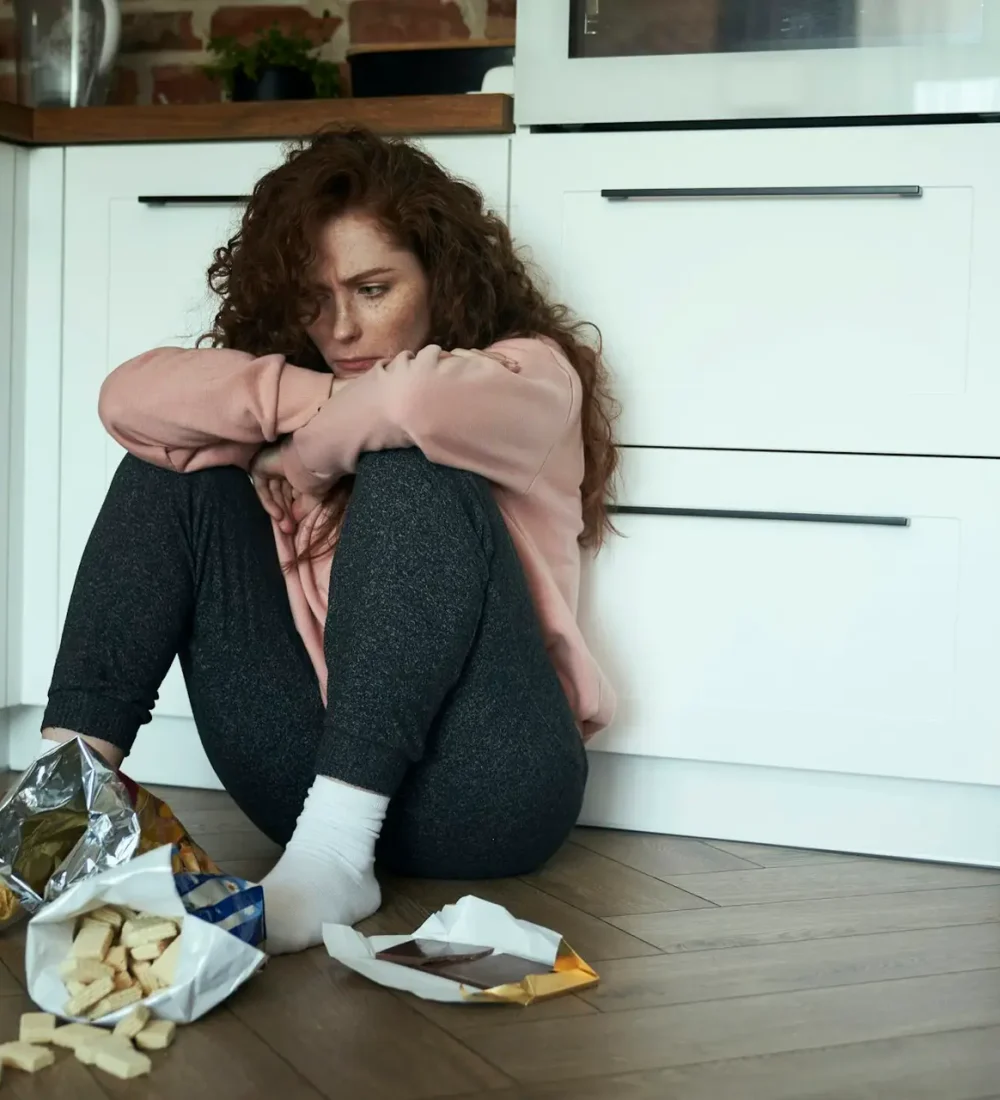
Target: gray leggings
<point>441,693</point>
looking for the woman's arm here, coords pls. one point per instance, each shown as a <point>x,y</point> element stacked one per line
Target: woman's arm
<point>189,409</point>
<point>497,413</point>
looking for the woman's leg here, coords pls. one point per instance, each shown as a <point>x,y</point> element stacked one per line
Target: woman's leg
<point>186,563</point>
<point>442,698</point>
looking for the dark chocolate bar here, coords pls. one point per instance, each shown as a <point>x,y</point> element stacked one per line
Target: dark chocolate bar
<point>432,953</point>
<point>491,971</point>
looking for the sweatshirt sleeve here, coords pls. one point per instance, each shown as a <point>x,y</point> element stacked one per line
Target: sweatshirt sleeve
<point>496,413</point>
<point>190,409</point>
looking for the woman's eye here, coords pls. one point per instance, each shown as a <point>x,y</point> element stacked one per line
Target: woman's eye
<point>372,290</point>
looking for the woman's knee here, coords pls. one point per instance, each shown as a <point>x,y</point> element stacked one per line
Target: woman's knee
<point>227,482</point>
<point>404,482</point>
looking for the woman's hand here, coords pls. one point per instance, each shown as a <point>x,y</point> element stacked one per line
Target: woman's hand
<point>273,489</point>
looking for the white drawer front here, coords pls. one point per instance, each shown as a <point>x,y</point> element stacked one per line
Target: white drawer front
<point>821,319</point>
<point>840,645</point>
<point>135,279</point>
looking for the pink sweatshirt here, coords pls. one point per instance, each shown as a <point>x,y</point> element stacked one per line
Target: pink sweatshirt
<point>511,414</point>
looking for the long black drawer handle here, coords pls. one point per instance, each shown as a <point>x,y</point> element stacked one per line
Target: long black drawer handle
<point>788,517</point>
<point>909,191</point>
<point>193,200</point>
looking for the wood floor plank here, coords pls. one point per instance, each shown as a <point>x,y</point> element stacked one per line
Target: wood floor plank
<point>218,1057</point>
<point>956,1065</point>
<point>718,1030</point>
<point>815,919</point>
<point>659,855</point>
<point>253,870</point>
<point>9,985</point>
<point>68,1079</point>
<point>776,968</point>
<point>410,901</point>
<point>185,798</point>
<point>229,847</point>
<point>457,1019</point>
<point>766,855</point>
<point>837,880</point>
<point>349,1038</point>
<point>12,941</point>
<point>602,886</point>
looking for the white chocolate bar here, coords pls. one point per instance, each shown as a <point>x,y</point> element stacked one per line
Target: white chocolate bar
<point>26,1057</point>
<point>93,940</point>
<point>122,1061</point>
<point>149,951</point>
<point>72,1035</point>
<point>84,970</point>
<point>145,978</point>
<point>163,969</point>
<point>144,930</point>
<point>156,1036</point>
<point>115,1001</point>
<point>37,1027</point>
<point>132,1024</point>
<point>94,992</point>
<point>109,915</point>
<point>117,958</point>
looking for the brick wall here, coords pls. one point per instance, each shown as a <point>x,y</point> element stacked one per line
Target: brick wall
<point>162,47</point>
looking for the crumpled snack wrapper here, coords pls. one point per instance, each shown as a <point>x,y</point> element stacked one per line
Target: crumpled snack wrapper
<point>221,919</point>
<point>72,816</point>
<point>470,920</point>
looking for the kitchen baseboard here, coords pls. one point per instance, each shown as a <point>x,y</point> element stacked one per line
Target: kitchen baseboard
<point>869,815</point>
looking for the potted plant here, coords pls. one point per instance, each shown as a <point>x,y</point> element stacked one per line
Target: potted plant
<point>277,64</point>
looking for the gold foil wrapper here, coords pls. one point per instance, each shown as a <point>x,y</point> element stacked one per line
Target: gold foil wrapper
<point>569,974</point>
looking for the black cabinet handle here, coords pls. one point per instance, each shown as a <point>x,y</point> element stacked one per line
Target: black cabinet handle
<point>908,191</point>
<point>193,200</point>
<point>786,517</point>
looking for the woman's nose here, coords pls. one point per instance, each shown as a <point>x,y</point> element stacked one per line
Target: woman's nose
<point>345,323</point>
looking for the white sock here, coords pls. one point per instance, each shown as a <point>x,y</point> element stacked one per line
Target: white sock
<point>326,874</point>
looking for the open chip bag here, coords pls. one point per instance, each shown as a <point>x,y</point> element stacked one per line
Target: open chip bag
<point>71,816</point>
<point>76,835</point>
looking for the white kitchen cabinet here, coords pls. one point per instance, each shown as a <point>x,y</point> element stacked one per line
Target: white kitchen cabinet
<point>781,623</point>
<point>828,612</point>
<point>8,160</point>
<point>793,289</point>
<point>134,277</point>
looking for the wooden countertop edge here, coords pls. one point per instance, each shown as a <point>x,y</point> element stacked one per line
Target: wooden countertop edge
<point>404,116</point>
<point>16,123</point>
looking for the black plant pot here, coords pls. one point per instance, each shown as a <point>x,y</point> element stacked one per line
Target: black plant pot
<point>279,82</point>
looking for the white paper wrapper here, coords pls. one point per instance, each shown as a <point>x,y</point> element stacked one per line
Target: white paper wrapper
<point>212,965</point>
<point>470,920</point>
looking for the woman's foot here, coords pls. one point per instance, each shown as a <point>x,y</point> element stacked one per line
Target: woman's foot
<point>327,873</point>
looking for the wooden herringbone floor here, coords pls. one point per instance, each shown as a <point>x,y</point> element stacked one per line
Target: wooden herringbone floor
<point>729,972</point>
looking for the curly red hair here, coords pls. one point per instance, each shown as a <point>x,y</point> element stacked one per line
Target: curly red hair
<point>480,289</point>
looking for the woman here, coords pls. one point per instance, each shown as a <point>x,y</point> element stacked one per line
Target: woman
<point>425,687</point>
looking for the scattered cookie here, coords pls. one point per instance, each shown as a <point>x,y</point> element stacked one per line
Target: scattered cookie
<point>121,1059</point>
<point>157,1035</point>
<point>133,1023</point>
<point>26,1056</point>
<point>37,1027</point>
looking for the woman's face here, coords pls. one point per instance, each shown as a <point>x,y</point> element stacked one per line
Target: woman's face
<point>375,301</point>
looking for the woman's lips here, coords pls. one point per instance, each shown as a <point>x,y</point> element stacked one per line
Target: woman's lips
<point>354,366</point>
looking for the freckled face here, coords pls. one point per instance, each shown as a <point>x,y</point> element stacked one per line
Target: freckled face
<point>376,301</point>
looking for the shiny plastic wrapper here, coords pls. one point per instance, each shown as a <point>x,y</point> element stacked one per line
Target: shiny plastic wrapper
<point>70,817</point>
<point>470,920</point>
<point>218,916</point>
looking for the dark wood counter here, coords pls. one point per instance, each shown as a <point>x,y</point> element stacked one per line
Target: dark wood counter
<point>406,115</point>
